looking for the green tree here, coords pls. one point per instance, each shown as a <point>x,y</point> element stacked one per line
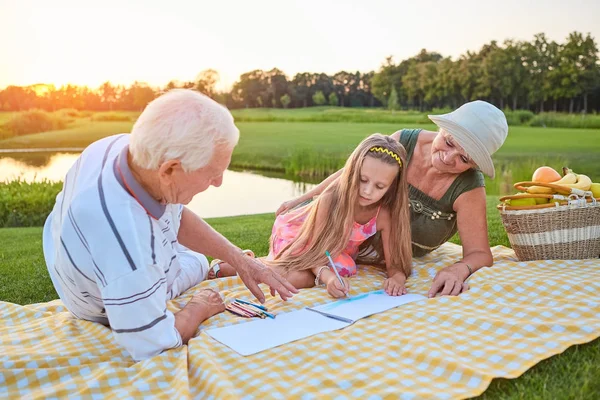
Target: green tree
<point>319,98</point>
<point>206,82</point>
<point>333,99</point>
<point>538,60</point>
<point>429,83</point>
<point>393,103</point>
<point>285,100</point>
<point>411,82</point>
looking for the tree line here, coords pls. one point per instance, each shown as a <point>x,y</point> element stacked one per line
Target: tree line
<point>538,75</point>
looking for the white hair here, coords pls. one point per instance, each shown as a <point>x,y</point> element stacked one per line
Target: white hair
<point>182,125</point>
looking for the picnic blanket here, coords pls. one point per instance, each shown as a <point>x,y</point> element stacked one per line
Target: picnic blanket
<point>516,314</point>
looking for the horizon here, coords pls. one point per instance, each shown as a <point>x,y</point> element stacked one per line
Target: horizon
<point>60,43</point>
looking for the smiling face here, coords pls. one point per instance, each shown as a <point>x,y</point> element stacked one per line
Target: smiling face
<point>448,156</point>
<point>376,177</point>
<point>179,187</point>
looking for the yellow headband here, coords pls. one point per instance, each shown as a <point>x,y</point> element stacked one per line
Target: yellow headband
<point>386,151</point>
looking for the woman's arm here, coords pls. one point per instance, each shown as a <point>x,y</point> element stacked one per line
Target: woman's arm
<point>317,190</point>
<point>394,285</point>
<point>470,210</point>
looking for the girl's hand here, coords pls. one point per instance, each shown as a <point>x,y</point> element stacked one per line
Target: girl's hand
<point>394,285</point>
<point>288,205</point>
<point>335,289</point>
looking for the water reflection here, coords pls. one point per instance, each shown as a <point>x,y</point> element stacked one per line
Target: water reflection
<point>35,167</point>
<point>246,193</point>
<point>242,192</point>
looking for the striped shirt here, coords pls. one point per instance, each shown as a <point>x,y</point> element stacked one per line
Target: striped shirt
<point>112,251</point>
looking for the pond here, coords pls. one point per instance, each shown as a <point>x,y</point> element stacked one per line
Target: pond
<point>242,192</point>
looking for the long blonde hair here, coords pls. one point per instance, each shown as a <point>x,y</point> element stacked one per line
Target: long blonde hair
<point>308,249</point>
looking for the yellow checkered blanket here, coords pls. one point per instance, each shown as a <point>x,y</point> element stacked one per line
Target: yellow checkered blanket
<point>516,314</point>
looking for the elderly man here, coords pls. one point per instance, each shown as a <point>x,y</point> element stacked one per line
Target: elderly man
<point>119,243</point>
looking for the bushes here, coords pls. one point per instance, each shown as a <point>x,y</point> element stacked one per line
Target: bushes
<point>26,204</point>
<point>33,121</point>
<point>110,117</point>
<point>518,117</point>
<point>561,120</point>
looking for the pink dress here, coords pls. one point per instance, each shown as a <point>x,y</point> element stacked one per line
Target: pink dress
<point>287,226</point>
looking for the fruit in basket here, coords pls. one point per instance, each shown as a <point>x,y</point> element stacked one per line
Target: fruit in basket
<point>540,190</point>
<point>571,180</point>
<point>583,183</point>
<point>595,188</point>
<point>545,175</point>
<point>541,200</point>
<point>525,201</point>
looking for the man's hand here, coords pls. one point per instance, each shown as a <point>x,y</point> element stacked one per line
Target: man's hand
<point>201,307</point>
<point>253,272</point>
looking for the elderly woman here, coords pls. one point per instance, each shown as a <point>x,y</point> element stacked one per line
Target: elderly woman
<point>446,188</point>
<point>119,243</point>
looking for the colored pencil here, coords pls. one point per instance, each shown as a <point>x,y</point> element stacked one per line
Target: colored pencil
<point>334,269</point>
<point>252,304</point>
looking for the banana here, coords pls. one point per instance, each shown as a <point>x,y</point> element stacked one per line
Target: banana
<point>583,183</point>
<point>567,181</point>
<point>539,190</point>
<point>569,178</point>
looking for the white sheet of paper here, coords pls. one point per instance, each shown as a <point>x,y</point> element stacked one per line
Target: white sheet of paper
<point>252,337</point>
<point>363,305</point>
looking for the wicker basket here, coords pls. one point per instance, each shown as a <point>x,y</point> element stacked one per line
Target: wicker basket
<point>570,231</point>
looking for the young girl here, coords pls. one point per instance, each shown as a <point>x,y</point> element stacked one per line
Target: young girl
<point>371,193</point>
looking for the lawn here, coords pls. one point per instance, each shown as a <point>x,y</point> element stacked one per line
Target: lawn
<point>315,149</point>
<point>575,374</point>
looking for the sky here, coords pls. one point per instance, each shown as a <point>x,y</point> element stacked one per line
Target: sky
<point>89,42</point>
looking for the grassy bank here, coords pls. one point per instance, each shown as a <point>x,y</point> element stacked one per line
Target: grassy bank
<point>290,142</point>
<point>575,374</point>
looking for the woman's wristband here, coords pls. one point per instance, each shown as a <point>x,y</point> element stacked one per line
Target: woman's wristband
<point>468,267</point>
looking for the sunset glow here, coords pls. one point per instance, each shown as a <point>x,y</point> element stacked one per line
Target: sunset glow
<point>85,43</point>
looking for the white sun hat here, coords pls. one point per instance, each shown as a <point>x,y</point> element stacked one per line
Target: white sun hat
<point>479,127</point>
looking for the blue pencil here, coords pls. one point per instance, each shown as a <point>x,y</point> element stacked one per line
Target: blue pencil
<point>334,268</point>
<point>251,304</point>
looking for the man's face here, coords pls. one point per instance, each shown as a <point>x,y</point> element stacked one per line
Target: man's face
<point>179,187</point>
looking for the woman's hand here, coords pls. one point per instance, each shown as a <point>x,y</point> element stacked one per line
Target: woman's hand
<point>288,205</point>
<point>335,289</point>
<point>395,284</point>
<point>450,281</point>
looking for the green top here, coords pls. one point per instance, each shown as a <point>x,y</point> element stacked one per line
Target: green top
<point>432,221</point>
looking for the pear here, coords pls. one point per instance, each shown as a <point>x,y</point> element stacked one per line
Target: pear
<point>525,201</point>
<point>595,189</point>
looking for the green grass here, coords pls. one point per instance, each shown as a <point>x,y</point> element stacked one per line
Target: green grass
<point>330,114</point>
<point>6,116</point>
<point>78,135</point>
<point>574,374</point>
